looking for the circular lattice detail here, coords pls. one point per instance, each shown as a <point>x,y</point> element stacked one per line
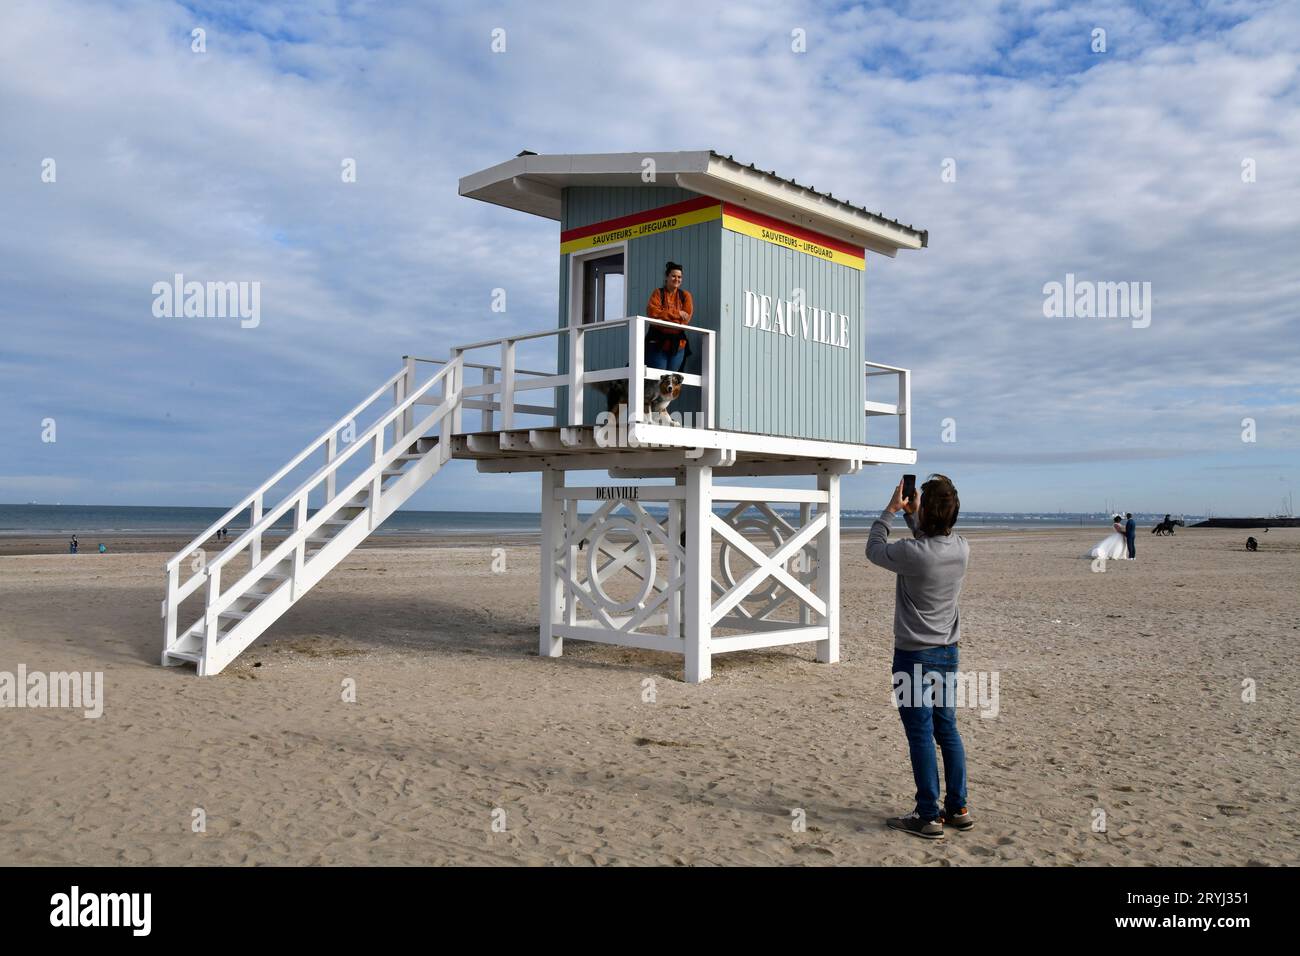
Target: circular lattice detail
<point>643,563</point>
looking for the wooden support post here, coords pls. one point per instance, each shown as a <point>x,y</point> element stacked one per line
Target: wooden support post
<point>828,568</point>
<point>377,482</point>
<point>407,418</point>
<point>707,373</point>
<point>489,378</point>
<point>170,609</point>
<point>399,393</point>
<point>674,564</point>
<point>575,376</point>
<point>331,449</point>
<point>805,515</point>
<point>571,522</point>
<point>699,568</point>
<point>636,370</point>
<point>507,385</point>
<point>254,516</point>
<point>905,409</point>
<point>210,618</point>
<point>551,594</point>
<point>456,382</point>
<point>447,427</point>
<point>296,589</point>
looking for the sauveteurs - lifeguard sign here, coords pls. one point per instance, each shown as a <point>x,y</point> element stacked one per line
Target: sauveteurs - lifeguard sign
<point>706,209</point>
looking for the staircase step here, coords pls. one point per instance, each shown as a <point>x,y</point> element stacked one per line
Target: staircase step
<point>197,632</point>
<point>422,446</point>
<point>238,620</point>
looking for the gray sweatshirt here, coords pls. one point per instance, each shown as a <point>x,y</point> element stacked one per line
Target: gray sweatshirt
<point>930,572</point>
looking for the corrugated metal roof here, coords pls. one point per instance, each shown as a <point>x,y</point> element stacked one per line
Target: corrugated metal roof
<point>534,184</point>
<point>880,217</point>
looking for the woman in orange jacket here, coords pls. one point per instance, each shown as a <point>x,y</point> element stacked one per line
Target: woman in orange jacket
<point>663,348</point>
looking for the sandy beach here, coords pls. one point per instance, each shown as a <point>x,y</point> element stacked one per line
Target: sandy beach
<point>1119,693</point>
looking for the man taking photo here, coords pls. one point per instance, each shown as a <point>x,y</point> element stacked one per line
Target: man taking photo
<point>930,566</point>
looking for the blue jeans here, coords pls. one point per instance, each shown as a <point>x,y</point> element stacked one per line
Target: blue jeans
<point>656,357</point>
<point>931,717</point>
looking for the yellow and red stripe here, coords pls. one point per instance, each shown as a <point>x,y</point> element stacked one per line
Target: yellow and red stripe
<point>690,212</point>
<point>663,219</point>
<point>789,236</point>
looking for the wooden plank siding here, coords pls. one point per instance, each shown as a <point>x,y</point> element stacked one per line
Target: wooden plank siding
<point>771,384</point>
<point>766,383</point>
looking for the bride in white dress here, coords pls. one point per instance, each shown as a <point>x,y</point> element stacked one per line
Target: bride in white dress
<point>1114,547</point>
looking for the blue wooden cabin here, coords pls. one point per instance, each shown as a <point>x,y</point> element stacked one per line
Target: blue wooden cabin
<point>776,270</point>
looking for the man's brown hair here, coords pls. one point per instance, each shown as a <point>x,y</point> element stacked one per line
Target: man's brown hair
<point>939,506</point>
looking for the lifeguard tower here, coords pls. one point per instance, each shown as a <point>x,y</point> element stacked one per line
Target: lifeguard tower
<point>775,385</point>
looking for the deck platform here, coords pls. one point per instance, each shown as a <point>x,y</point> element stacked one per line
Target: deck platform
<point>644,450</point>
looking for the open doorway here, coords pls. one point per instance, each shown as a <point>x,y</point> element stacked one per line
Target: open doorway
<point>603,288</point>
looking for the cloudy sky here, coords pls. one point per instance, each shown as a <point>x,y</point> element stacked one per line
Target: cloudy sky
<point>1132,164</point>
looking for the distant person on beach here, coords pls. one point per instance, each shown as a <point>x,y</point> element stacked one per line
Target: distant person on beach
<point>665,348</point>
<point>927,630</point>
<point>103,548</point>
<point>73,545</point>
<point>1130,535</point>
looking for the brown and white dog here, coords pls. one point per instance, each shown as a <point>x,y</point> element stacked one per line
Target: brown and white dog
<point>659,397</point>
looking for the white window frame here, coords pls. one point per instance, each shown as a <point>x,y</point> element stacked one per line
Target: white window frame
<point>576,260</point>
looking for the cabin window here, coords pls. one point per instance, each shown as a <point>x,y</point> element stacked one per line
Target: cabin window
<point>603,288</point>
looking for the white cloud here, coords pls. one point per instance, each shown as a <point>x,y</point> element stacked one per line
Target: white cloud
<point>225,165</point>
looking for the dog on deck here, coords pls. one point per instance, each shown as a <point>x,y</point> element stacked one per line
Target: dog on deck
<point>659,397</point>
<point>667,391</point>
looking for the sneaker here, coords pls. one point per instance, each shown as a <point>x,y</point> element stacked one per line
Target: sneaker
<point>961,819</point>
<point>913,824</point>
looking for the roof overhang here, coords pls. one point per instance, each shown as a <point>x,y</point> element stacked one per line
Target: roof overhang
<point>533,184</point>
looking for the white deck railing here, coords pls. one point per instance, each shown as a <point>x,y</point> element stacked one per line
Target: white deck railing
<point>500,396</point>
<point>902,407</point>
<point>501,386</point>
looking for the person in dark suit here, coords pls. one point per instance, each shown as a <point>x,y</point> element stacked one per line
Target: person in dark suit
<point>1130,533</point>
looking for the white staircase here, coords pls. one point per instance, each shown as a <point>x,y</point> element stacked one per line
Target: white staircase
<point>236,612</point>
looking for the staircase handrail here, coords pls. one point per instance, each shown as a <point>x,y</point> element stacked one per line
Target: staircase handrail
<point>220,599</point>
<point>275,513</point>
<point>293,463</point>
